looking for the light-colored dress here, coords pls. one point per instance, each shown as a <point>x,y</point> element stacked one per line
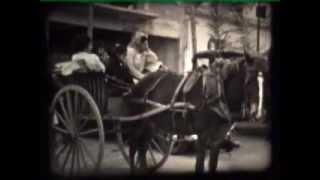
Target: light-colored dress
<point>141,63</point>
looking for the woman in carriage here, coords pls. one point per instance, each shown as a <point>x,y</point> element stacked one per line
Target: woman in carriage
<point>140,59</point>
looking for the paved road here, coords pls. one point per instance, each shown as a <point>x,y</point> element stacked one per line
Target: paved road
<point>254,155</point>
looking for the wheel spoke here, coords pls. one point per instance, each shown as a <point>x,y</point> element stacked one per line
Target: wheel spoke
<point>66,125</point>
<point>82,105</point>
<point>82,156</point>
<point>157,146</point>
<point>81,112</point>
<point>76,115</point>
<point>82,125</point>
<point>152,155</point>
<point>84,120</point>
<point>89,131</point>
<point>66,158</point>
<point>60,130</point>
<point>72,159</point>
<point>87,150</point>
<point>63,109</point>
<point>59,153</point>
<point>77,156</point>
<point>69,106</point>
<point>165,141</point>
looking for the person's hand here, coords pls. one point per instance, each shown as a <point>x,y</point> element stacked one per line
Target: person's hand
<point>141,76</point>
<point>163,68</point>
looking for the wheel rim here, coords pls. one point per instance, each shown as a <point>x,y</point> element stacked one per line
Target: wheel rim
<point>77,132</point>
<point>159,149</point>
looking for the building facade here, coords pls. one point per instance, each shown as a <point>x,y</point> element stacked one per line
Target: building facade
<point>170,27</point>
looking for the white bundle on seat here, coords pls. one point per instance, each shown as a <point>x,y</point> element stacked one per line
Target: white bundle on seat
<point>81,62</point>
<point>89,61</point>
<point>66,68</point>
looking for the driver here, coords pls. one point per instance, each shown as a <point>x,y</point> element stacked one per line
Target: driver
<point>221,67</point>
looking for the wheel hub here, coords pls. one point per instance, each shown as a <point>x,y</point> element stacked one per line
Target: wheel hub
<point>70,138</point>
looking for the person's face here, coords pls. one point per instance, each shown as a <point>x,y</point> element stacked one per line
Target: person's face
<point>101,51</point>
<point>90,46</point>
<point>144,43</point>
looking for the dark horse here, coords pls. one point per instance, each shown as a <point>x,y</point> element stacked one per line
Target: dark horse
<point>210,126</point>
<point>245,103</point>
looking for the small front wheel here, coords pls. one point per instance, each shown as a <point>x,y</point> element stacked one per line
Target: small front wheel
<point>159,148</point>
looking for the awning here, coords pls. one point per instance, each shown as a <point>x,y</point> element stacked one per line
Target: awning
<point>120,13</point>
<point>105,16</point>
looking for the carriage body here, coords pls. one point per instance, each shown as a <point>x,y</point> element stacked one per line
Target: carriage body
<point>92,99</point>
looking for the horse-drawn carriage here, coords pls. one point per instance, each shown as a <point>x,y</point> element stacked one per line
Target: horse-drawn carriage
<point>146,119</point>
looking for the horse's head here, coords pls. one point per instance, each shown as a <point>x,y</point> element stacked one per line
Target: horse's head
<point>241,86</point>
<point>250,79</point>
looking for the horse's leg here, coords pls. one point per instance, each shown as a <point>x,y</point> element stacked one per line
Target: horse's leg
<point>213,161</point>
<point>142,156</point>
<point>253,111</point>
<point>132,152</point>
<point>216,141</point>
<point>201,154</point>
<point>145,140</point>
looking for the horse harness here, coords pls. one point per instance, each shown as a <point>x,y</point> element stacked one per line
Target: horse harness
<point>189,81</point>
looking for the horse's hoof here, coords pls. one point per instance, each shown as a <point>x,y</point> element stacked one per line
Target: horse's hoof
<point>229,145</point>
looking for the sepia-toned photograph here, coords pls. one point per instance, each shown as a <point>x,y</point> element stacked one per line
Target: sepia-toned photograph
<point>151,88</point>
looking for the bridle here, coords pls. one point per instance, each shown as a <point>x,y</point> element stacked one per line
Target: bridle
<point>207,73</point>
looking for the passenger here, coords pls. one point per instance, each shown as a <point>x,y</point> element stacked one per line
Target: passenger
<point>83,57</point>
<point>140,59</point>
<point>100,50</point>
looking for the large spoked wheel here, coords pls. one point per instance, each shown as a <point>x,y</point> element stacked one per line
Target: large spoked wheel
<point>77,135</point>
<point>158,149</point>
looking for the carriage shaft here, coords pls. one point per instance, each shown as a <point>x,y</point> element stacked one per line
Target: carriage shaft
<point>160,108</point>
